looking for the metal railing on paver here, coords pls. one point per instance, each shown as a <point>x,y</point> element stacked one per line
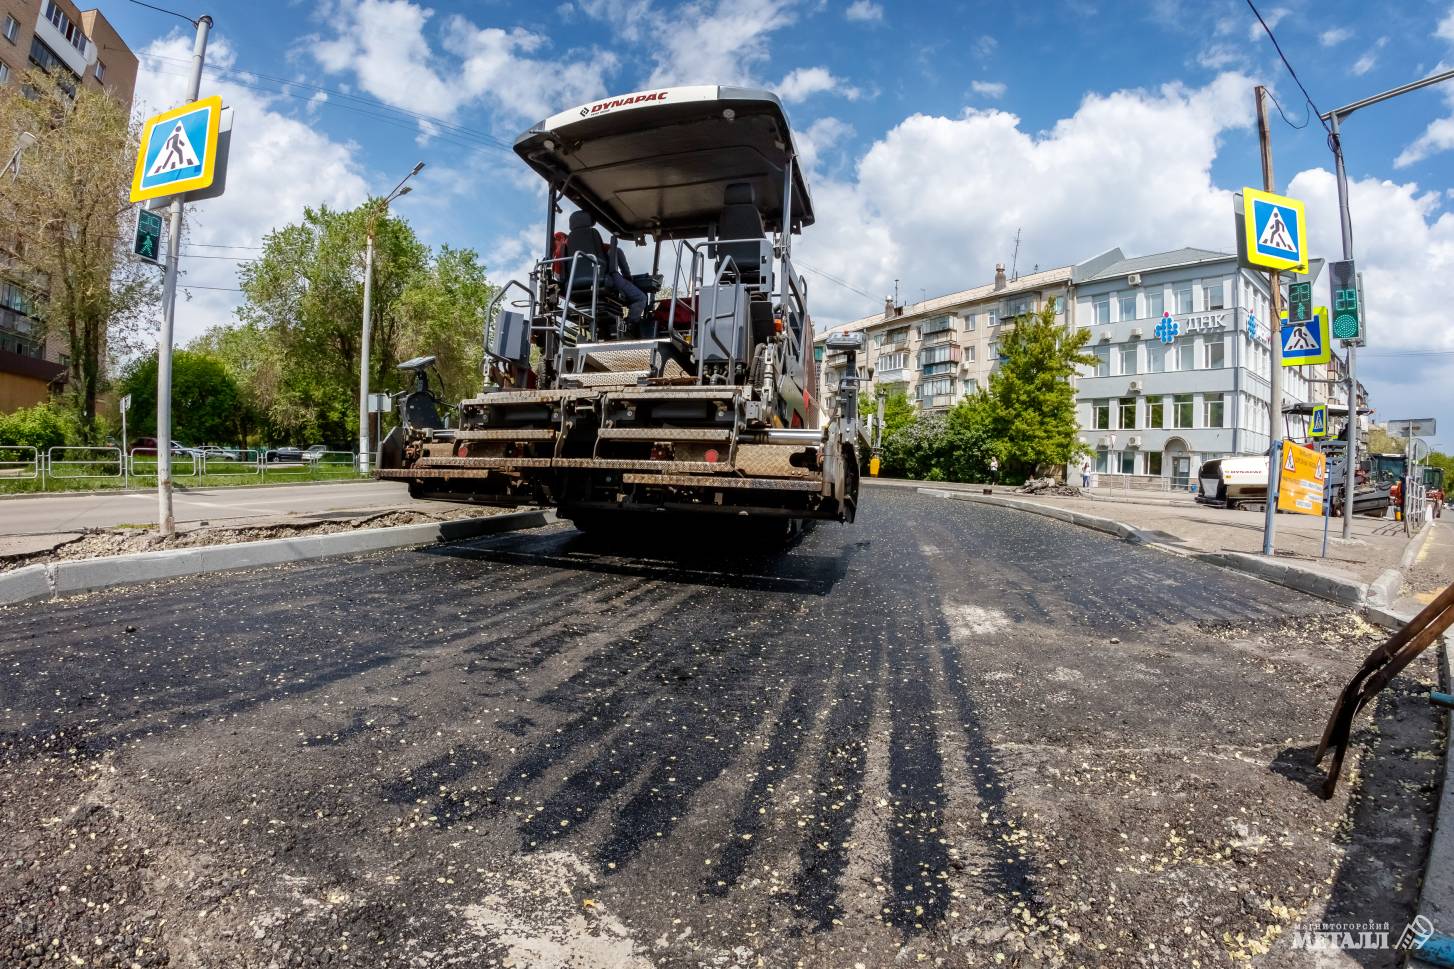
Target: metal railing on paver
<point>84,462</point>
<point>14,466</point>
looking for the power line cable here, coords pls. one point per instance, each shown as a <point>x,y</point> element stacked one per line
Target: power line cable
<point>1287,64</point>
<point>834,279</point>
<point>148,6</point>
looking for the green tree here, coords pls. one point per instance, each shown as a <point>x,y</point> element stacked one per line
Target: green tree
<point>1033,419</point>
<point>45,425</point>
<point>205,398</point>
<point>440,312</point>
<point>65,218</point>
<point>253,361</point>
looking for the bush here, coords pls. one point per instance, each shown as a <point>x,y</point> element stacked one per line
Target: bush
<point>45,425</point>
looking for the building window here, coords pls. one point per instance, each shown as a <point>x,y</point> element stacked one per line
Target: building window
<point>4,72</point>
<point>1155,412</point>
<point>1101,415</point>
<point>1186,356</point>
<point>1213,289</point>
<point>12,28</point>
<point>969,353</point>
<point>72,32</point>
<point>1155,303</point>
<point>1181,410</point>
<point>1127,413</point>
<point>992,317</point>
<point>971,386</point>
<point>1128,359</point>
<point>938,387</point>
<point>1101,305</point>
<point>970,321</point>
<point>1101,457</point>
<point>1128,306</point>
<point>101,71</point>
<point>939,324</point>
<point>1153,463</point>
<point>893,361</point>
<point>1128,462</point>
<point>1103,361</point>
<point>1214,409</point>
<point>1216,354</point>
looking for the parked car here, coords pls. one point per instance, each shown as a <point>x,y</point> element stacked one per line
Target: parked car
<point>214,453</point>
<point>148,446</point>
<point>315,453</point>
<point>283,455</point>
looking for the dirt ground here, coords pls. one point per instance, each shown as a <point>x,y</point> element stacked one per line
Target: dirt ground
<point>906,742</point>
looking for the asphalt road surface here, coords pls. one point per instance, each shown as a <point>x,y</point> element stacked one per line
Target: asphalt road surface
<point>78,511</point>
<point>949,734</point>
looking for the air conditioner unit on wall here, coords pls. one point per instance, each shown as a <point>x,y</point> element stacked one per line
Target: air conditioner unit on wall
<point>1135,387</point>
<point>1105,336</point>
<point>1136,333</point>
<point>1133,279</point>
<point>1133,442</point>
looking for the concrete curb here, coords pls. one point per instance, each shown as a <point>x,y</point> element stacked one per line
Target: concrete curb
<point>1344,591</point>
<point>51,580</point>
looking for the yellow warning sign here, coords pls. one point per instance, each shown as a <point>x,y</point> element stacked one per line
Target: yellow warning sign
<point>1301,486</point>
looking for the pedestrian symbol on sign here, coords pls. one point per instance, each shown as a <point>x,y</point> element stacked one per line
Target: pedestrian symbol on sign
<point>1275,234</point>
<point>1301,339</point>
<point>176,153</point>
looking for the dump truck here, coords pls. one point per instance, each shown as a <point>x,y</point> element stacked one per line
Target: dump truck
<point>687,390</point>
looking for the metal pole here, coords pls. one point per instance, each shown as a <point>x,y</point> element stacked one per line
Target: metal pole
<point>1350,453</point>
<point>1274,423</point>
<point>125,469</point>
<point>166,522</point>
<point>363,366</point>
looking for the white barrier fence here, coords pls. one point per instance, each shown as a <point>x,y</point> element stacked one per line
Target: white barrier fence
<point>23,463</point>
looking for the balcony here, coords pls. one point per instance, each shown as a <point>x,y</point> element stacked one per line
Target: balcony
<point>78,59</point>
<point>898,375</point>
<point>15,363</point>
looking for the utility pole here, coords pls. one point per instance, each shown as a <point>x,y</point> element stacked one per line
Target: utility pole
<point>1274,426</point>
<point>368,291</point>
<point>1345,220</point>
<point>166,522</point>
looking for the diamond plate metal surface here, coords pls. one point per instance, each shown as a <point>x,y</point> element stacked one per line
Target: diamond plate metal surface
<point>770,460</point>
<point>721,481</point>
<point>664,434</point>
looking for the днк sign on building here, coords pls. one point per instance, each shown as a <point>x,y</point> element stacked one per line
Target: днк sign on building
<point>80,47</point>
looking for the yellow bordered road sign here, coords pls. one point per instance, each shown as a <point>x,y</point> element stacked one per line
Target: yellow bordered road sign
<point>1275,228</point>
<point>178,150</point>
<point>1307,343</point>
<point>1318,422</point>
<point>1300,489</point>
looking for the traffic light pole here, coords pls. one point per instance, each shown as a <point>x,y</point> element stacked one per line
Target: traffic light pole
<point>166,521</point>
<point>1345,220</point>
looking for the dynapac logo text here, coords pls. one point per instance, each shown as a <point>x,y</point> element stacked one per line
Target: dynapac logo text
<point>622,102</point>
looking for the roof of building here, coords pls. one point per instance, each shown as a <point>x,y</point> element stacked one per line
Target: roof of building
<point>1021,284</point>
<point>1119,265</point>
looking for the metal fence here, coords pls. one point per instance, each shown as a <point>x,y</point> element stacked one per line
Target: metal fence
<point>183,465</point>
<point>84,462</point>
<point>226,463</point>
<point>1137,483</point>
<point>15,466</point>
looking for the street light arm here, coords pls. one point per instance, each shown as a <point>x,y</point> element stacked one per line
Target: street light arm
<point>1423,82</point>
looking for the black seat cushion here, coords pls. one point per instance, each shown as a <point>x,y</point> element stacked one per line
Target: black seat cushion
<point>582,238</point>
<point>741,220</point>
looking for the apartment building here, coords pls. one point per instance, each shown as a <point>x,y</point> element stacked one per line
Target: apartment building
<point>1181,345</point>
<point>940,350</point>
<point>81,48</point>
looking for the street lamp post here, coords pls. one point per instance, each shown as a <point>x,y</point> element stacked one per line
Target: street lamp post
<point>1345,220</point>
<point>22,142</point>
<point>368,292</point>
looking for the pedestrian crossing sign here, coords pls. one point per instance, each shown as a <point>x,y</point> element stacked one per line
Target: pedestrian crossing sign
<point>1275,230</point>
<point>1318,421</point>
<point>1308,342</point>
<point>178,150</point>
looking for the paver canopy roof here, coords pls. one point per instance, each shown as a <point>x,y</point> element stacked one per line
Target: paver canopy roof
<point>659,161</point>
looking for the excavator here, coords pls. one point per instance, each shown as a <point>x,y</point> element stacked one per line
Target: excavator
<point>687,391</point>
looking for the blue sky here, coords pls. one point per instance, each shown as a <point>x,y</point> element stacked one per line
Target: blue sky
<point>934,131</point>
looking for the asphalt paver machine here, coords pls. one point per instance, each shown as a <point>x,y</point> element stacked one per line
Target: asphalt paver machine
<point>702,403</point>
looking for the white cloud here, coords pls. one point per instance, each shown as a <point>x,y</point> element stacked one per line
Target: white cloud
<point>282,164</point>
<point>1439,135</point>
<point>1273,17</point>
<point>864,11</point>
<point>383,45</point>
<point>1130,169</point>
<point>1445,29</point>
<point>1369,58</point>
<point>989,89</point>
<point>804,82</point>
<point>1334,36</point>
<point>984,46</point>
<point>820,137</point>
<point>715,41</point>
<point>1219,57</point>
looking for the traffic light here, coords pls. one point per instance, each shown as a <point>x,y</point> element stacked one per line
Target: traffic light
<point>1300,302</point>
<point>1347,321</point>
<point>148,241</point>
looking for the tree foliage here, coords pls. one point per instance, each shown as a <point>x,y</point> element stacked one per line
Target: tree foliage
<point>65,224</point>
<point>206,401</point>
<point>1025,418</point>
<point>45,425</point>
<point>296,350</point>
